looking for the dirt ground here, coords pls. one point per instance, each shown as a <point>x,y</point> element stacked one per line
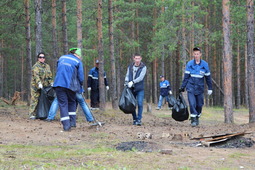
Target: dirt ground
<point>165,133</point>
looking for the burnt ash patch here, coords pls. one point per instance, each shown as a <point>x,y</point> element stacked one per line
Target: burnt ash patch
<point>141,146</point>
<point>235,142</point>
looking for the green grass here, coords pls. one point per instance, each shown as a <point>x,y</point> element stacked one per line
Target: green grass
<point>238,155</point>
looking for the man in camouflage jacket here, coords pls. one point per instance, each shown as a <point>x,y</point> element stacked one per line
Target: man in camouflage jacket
<point>41,77</point>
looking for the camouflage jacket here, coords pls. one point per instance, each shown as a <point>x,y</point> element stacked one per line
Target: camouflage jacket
<point>41,74</point>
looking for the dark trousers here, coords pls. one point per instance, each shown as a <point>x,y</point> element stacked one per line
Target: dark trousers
<point>94,98</point>
<point>67,105</point>
<point>196,103</point>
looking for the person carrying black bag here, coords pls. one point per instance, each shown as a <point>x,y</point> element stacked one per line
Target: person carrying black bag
<point>196,71</point>
<point>135,80</point>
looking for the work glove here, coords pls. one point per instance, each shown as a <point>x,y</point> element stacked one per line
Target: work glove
<point>107,87</point>
<point>130,84</point>
<point>181,89</point>
<point>170,92</point>
<point>89,89</point>
<point>52,84</point>
<point>209,92</point>
<point>40,85</point>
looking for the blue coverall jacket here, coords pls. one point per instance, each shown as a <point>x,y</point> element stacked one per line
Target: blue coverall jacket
<point>164,88</point>
<point>70,73</point>
<point>195,75</point>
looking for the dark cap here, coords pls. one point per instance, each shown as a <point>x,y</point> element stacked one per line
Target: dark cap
<point>196,49</point>
<point>161,76</point>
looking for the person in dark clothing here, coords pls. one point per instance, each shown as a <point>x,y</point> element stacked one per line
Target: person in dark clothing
<point>135,80</point>
<point>93,86</point>
<point>196,71</point>
<point>68,81</point>
<point>165,89</point>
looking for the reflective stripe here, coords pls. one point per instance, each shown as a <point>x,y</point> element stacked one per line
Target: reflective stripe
<point>93,77</point>
<point>187,72</point>
<point>197,76</point>
<point>191,115</point>
<point>207,74</point>
<point>64,118</point>
<point>72,113</point>
<point>163,87</point>
<point>67,64</point>
<point>77,61</point>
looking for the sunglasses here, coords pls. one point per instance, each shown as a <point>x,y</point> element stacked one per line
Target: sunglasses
<point>41,57</point>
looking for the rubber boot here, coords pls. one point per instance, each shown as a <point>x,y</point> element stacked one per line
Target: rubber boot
<point>194,121</point>
<point>198,120</point>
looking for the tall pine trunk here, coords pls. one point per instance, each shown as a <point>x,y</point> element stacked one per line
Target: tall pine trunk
<point>38,26</point>
<point>28,49</point>
<point>112,57</point>
<point>79,23</point>
<point>227,63</point>
<point>1,69</point>
<point>54,34</point>
<point>64,27</point>
<point>100,55</point>
<point>238,82</point>
<point>251,59</point>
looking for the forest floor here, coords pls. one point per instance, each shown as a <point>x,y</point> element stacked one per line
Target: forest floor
<point>36,144</point>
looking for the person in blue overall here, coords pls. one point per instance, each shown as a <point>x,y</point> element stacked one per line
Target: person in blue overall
<point>68,81</point>
<point>196,71</point>
<point>93,86</point>
<point>135,80</point>
<point>165,89</point>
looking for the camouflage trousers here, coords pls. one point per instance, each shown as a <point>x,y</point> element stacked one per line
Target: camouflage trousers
<point>35,94</point>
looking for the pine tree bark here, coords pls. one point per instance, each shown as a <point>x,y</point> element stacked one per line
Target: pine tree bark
<point>251,59</point>
<point>38,26</point>
<point>64,27</point>
<point>100,55</point>
<point>246,77</point>
<point>28,49</point>
<point>238,81</point>
<point>227,63</point>
<point>1,69</point>
<point>79,23</point>
<point>54,33</point>
<point>112,57</point>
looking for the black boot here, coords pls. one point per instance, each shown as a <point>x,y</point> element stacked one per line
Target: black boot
<point>198,120</point>
<point>194,121</point>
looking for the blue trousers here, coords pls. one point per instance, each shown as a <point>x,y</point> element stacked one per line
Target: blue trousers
<point>80,100</point>
<point>84,107</point>
<point>161,100</point>
<point>196,103</point>
<point>53,109</point>
<point>139,97</point>
<point>67,105</point>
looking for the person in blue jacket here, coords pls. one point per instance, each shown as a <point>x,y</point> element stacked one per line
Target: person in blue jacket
<point>68,81</point>
<point>196,71</point>
<point>93,85</point>
<point>165,89</point>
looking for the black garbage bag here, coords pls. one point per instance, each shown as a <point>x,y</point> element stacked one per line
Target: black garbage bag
<point>171,100</point>
<point>180,109</point>
<point>127,102</point>
<point>46,98</point>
